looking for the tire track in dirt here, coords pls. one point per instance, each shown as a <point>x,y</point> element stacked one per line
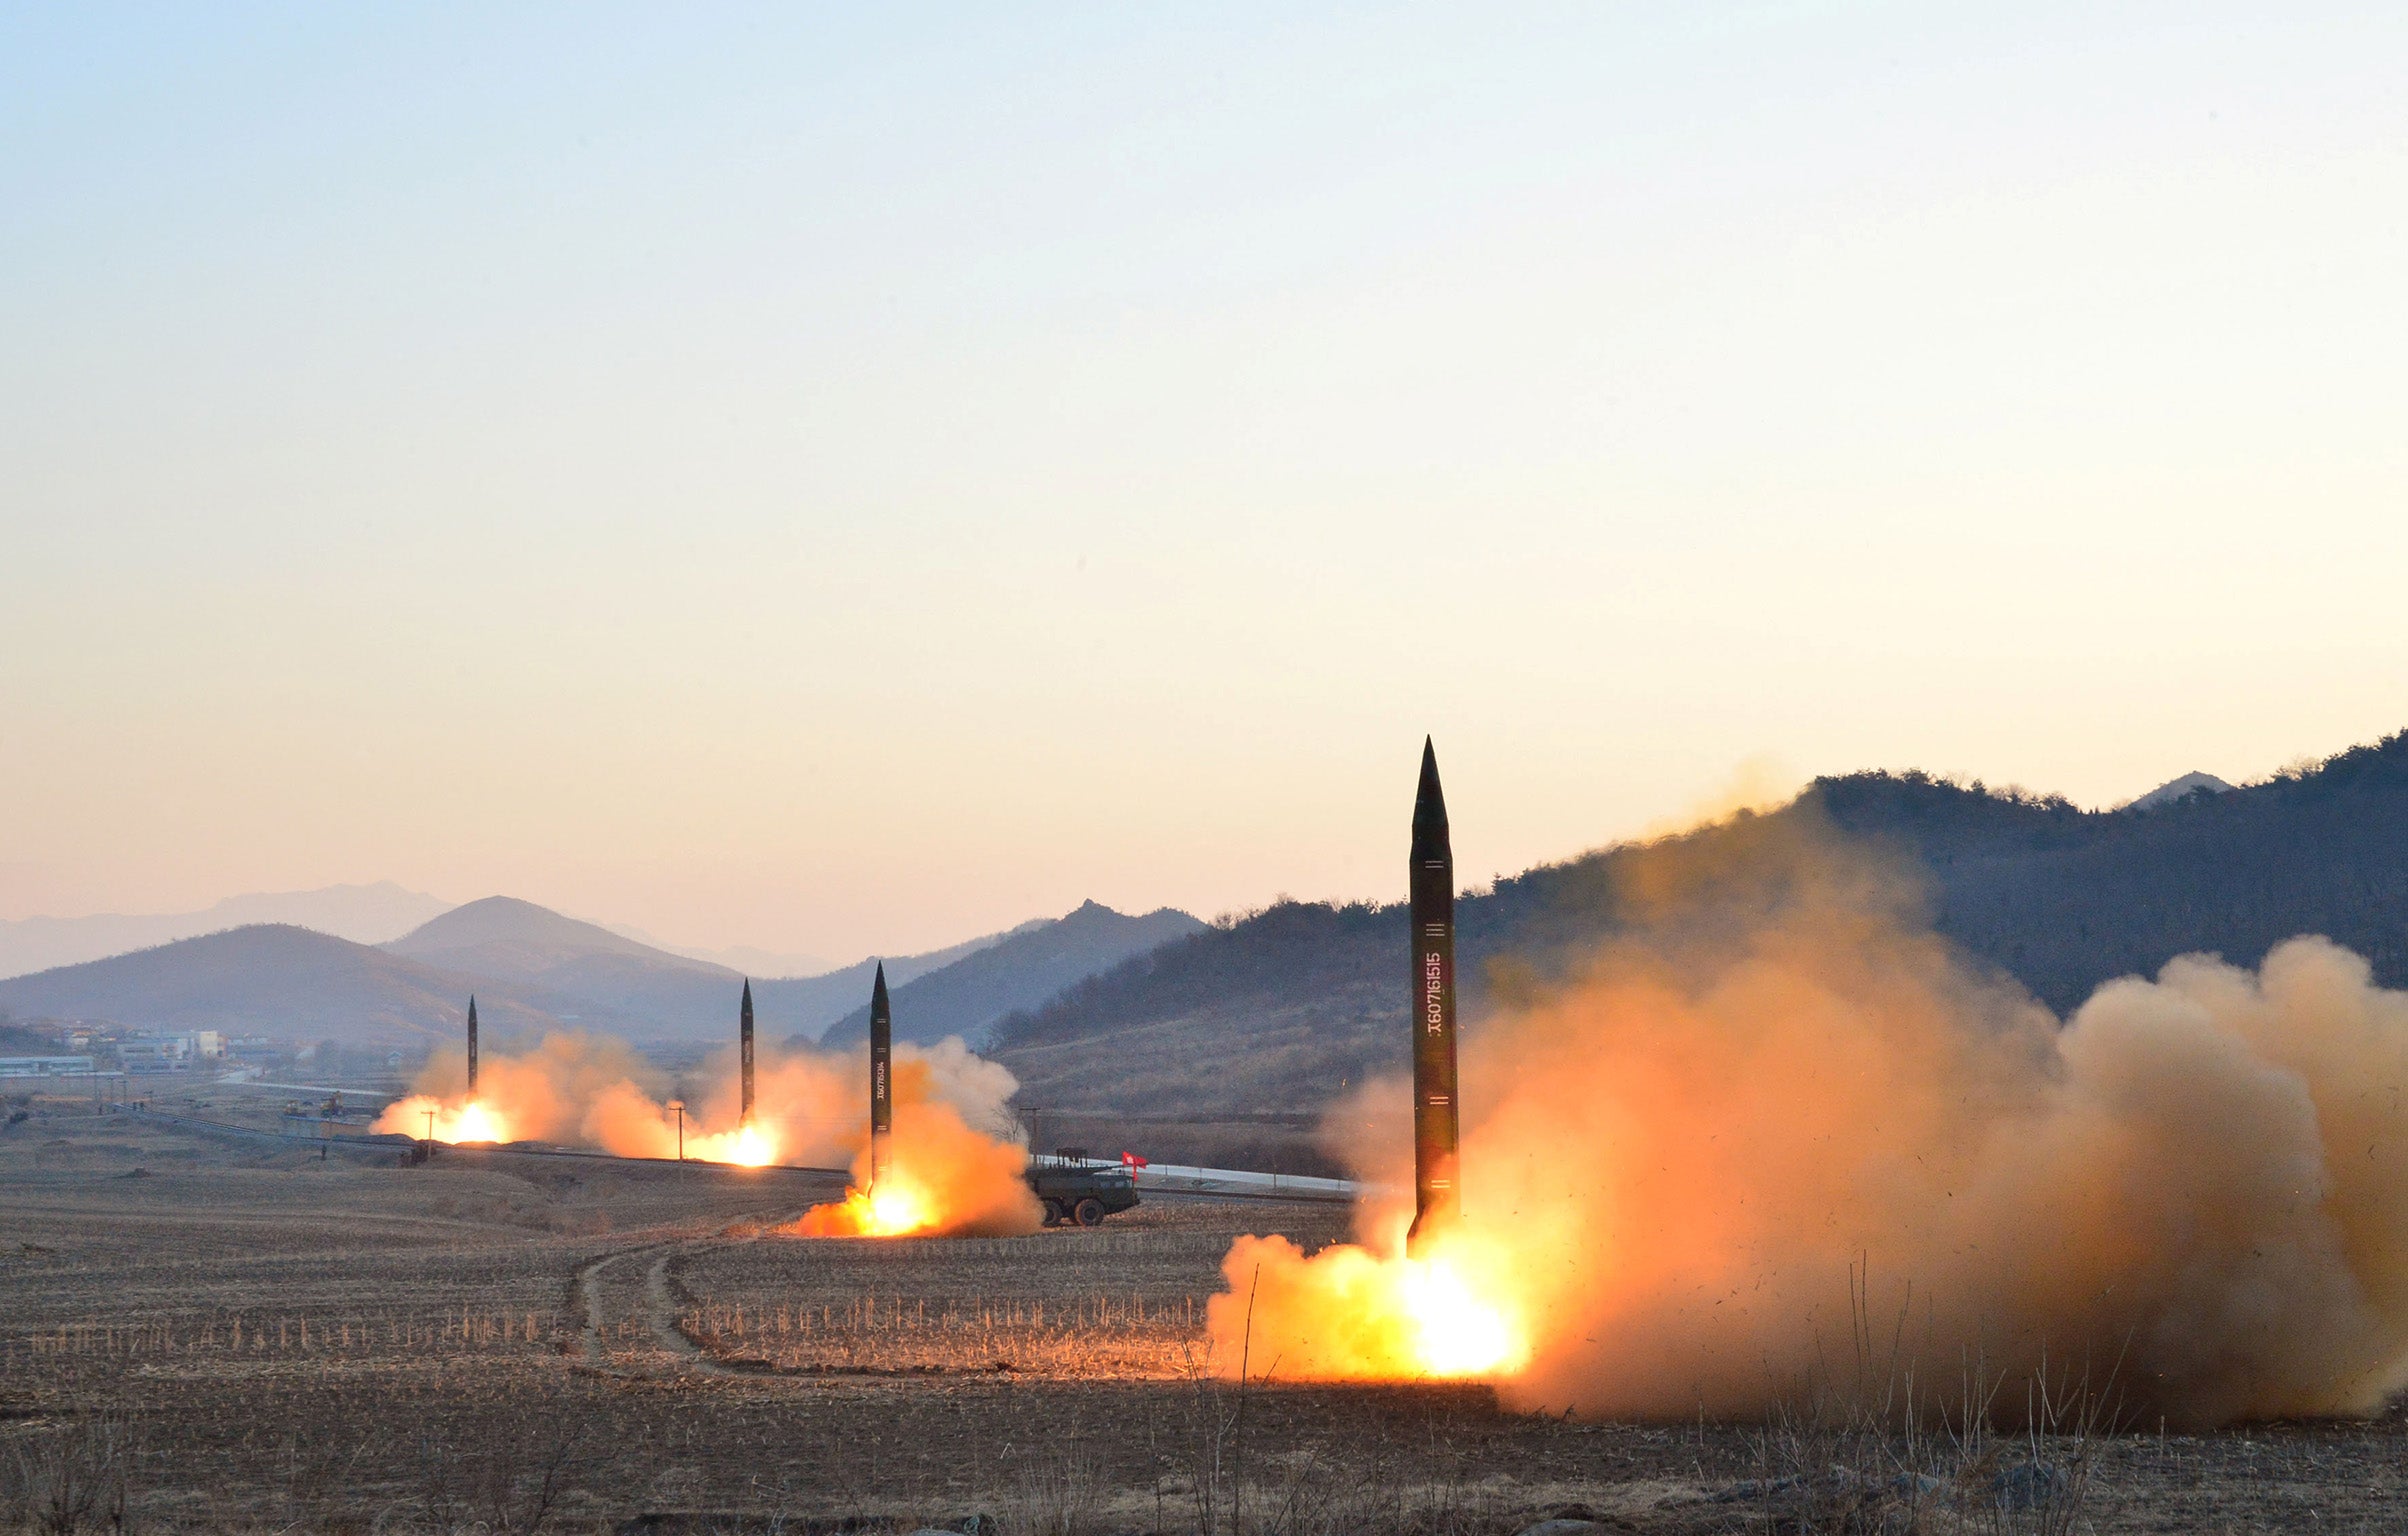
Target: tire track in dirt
<point>666,1304</point>
<point>586,1286</point>
<point>662,1308</point>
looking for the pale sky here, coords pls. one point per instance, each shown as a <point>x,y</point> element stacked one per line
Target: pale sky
<point>846,478</point>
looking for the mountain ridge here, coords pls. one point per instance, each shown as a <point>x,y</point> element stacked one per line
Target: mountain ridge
<point>313,985</point>
<point>2176,789</point>
<point>540,969</point>
<point>1029,965</point>
<point>364,914</point>
<point>1278,1011</point>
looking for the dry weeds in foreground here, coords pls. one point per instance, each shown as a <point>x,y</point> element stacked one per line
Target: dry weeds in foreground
<point>1864,1447</point>
<point>441,1413</point>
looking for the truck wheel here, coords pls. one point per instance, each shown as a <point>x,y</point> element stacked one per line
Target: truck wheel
<point>1091,1212</point>
<point>1053,1213</point>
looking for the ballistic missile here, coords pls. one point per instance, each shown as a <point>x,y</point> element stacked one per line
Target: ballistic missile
<point>882,1077</point>
<point>744,1049</point>
<point>472,1045</point>
<point>1436,1130</point>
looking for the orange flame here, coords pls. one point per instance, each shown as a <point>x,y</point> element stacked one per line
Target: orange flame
<point>946,1179</point>
<point>747,1146</point>
<point>949,1175</point>
<point>895,1209</point>
<point>472,1121</point>
<point>1348,1313</point>
<point>540,1094</point>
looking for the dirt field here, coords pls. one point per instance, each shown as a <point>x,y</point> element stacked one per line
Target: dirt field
<point>231,1335</point>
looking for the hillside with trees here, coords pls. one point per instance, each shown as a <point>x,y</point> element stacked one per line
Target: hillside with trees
<point>2064,899</point>
<point>968,997</point>
<point>1238,1036</point>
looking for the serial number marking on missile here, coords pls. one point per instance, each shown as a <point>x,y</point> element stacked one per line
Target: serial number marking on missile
<point>744,1045</point>
<point>882,1046</point>
<point>1436,1131</point>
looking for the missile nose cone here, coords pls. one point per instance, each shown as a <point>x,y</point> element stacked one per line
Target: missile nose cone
<point>1429,805</point>
<point>878,987</point>
<point>472,1007</point>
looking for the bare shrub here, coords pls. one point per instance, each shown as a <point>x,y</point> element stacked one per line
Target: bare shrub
<point>1229,1486</point>
<point>312,1473</point>
<point>1059,1493</point>
<point>72,1477</point>
<point>509,1482</point>
<point>1867,1450</point>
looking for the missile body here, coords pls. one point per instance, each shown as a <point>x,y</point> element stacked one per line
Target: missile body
<point>882,1077</point>
<point>472,1045</point>
<point>1436,1130</point>
<point>744,1032</point>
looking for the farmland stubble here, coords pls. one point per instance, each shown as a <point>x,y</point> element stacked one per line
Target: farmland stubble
<point>249,1339</point>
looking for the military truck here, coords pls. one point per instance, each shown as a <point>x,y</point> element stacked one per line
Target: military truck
<point>1077,1191</point>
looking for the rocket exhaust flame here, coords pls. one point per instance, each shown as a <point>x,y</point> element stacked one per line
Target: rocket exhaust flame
<point>1433,1300</point>
<point>582,1089</point>
<point>455,1118</point>
<point>945,1178</point>
<point>466,1122</point>
<point>888,1210</point>
<point>957,1170</point>
<point>1775,1079</point>
<point>950,1179</point>
<point>1441,1311</point>
<point>467,1119</point>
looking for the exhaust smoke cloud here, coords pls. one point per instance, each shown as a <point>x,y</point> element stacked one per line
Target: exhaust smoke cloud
<point>1778,1076</point>
<point>943,1175</point>
<point>956,1167</point>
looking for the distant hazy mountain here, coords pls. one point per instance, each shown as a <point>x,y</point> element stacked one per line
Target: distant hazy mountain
<point>1272,1016</point>
<point>742,958</point>
<point>819,1001</point>
<point>365,914</point>
<point>529,967</point>
<point>969,996</point>
<point>578,971</point>
<point>2180,789</point>
<point>504,937</point>
<point>284,982</point>
<point>597,977</point>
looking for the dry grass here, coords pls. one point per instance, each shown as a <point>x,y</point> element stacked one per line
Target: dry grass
<point>1095,1336</point>
<point>1120,1304</point>
<point>1864,1447</point>
<point>249,1340</point>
